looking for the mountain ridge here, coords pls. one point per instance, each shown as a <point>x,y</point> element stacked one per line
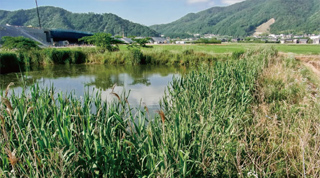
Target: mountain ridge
<point>241,19</point>
<point>56,17</point>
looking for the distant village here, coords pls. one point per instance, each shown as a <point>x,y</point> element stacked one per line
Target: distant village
<point>57,37</point>
<point>263,38</point>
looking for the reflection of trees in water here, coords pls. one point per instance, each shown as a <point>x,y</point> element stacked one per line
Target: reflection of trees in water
<point>105,79</point>
<point>105,76</point>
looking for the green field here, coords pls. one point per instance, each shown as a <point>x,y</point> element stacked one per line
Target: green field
<point>232,47</point>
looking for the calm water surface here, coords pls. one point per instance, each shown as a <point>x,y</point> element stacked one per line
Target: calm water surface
<point>146,83</point>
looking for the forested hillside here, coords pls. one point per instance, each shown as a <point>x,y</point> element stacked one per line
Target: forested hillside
<point>53,17</point>
<point>241,19</point>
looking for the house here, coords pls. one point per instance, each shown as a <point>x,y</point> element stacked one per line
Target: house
<point>235,40</point>
<point>159,40</point>
<point>180,42</point>
<point>316,41</point>
<point>295,41</point>
<point>303,41</point>
<point>272,40</point>
<point>283,41</point>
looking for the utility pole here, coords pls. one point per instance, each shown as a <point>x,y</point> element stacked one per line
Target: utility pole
<point>38,13</point>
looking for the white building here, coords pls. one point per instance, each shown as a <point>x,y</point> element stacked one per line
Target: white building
<point>316,41</point>
<point>180,42</point>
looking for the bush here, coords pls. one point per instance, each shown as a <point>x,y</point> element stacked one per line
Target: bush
<point>9,62</point>
<point>237,54</point>
<point>64,56</point>
<point>20,43</point>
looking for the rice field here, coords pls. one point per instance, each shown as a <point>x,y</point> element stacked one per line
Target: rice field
<point>233,47</point>
<point>253,115</point>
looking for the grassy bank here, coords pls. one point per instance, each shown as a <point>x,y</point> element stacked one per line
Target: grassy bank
<point>18,60</point>
<point>243,117</point>
<point>158,54</point>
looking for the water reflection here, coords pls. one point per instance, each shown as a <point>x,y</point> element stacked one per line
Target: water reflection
<point>146,83</point>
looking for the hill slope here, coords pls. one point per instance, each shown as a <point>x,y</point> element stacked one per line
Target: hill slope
<point>241,19</point>
<point>53,17</point>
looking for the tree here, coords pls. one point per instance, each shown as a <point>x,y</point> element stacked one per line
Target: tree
<point>19,43</point>
<point>104,41</point>
<point>142,41</point>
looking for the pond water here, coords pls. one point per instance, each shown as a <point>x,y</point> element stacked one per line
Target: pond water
<point>146,83</point>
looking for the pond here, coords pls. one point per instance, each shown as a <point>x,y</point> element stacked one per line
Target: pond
<point>146,83</point>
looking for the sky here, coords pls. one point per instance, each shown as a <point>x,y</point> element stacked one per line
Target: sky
<point>146,12</point>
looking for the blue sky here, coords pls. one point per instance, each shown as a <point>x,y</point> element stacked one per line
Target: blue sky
<point>146,12</point>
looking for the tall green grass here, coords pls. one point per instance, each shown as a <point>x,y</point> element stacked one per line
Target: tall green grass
<point>9,62</point>
<point>92,55</point>
<point>210,125</point>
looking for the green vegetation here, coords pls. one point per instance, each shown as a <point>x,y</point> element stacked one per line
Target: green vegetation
<point>241,19</point>
<point>207,41</point>
<point>18,43</point>
<point>253,116</point>
<point>104,41</point>
<point>234,47</point>
<point>133,55</point>
<point>158,54</point>
<point>54,17</point>
<point>142,42</point>
<point>9,62</point>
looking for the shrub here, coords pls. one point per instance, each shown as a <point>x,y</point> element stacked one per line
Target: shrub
<point>9,62</point>
<point>20,43</point>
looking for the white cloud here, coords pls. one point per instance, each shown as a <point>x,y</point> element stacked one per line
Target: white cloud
<point>229,2</point>
<point>196,1</point>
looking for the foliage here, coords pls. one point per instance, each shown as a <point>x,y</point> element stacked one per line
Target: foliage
<point>241,19</point>
<point>207,41</point>
<point>54,17</point>
<point>179,35</point>
<point>47,134</point>
<point>142,41</point>
<point>19,43</point>
<point>64,56</point>
<point>104,41</point>
<point>255,116</point>
<point>9,62</point>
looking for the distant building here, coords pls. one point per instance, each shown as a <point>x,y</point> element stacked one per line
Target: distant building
<point>180,42</point>
<point>126,40</point>
<point>235,40</point>
<point>316,41</point>
<point>303,41</point>
<point>283,41</point>
<point>272,40</point>
<point>159,40</point>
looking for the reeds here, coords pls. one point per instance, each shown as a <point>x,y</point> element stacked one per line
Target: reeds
<point>20,60</point>
<point>220,121</point>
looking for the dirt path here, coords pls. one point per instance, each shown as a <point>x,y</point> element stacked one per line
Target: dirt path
<point>311,61</point>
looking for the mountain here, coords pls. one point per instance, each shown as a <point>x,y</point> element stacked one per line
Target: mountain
<point>54,17</point>
<point>242,19</point>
